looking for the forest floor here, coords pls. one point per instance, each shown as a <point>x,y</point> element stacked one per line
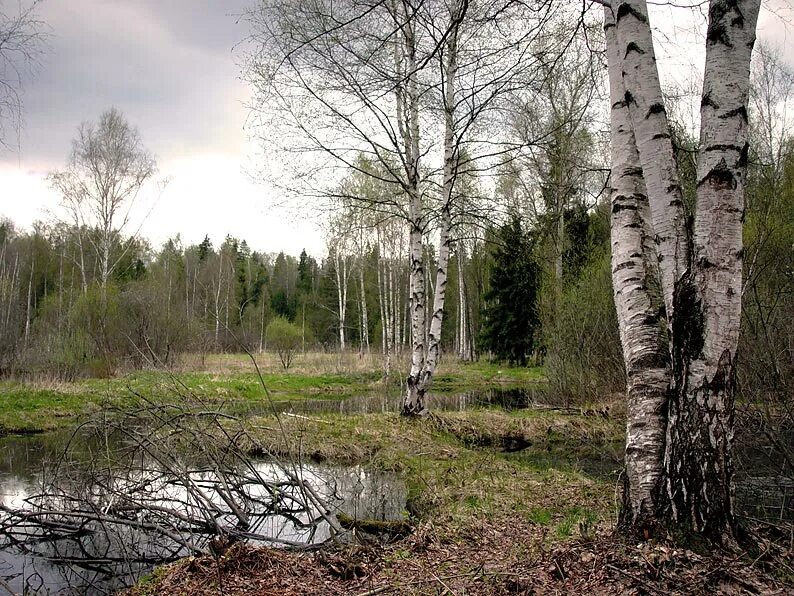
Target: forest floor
<point>520,502</point>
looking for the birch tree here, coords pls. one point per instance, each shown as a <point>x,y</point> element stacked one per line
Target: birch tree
<point>403,83</point>
<point>681,372</point>
<point>106,170</point>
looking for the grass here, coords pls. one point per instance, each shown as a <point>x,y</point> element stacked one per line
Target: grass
<point>460,484</point>
<point>230,379</point>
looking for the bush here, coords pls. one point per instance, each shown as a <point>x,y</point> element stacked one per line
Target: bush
<point>285,338</point>
<point>584,360</point>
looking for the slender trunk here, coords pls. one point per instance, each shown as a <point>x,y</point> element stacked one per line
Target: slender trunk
<point>83,277</point>
<point>439,295</point>
<point>12,291</point>
<point>636,284</point>
<point>408,108</point>
<point>341,295</point>
<point>464,351</point>
<point>60,290</point>
<point>698,459</point>
<point>218,300</point>
<point>381,309</point>
<point>643,97</point>
<point>28,308</point>
<point>363,309</point>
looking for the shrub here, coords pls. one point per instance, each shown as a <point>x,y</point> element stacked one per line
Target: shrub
<point>285,338</point>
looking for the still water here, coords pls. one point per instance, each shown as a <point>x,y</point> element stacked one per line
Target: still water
<point>95,555</point>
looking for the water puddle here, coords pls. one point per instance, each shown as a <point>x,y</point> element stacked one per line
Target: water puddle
<point>504,398</point>
<point>115,525</point>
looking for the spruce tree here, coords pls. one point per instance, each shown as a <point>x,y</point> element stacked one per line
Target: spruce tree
<point>510,314</point>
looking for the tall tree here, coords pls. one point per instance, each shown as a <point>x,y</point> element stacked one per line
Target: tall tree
<point>511,316</point>
<point>681,374</point>
<point>106,170</point>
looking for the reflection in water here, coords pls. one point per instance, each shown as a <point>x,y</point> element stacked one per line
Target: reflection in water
<point>390,401</point>
<point>139,515</point>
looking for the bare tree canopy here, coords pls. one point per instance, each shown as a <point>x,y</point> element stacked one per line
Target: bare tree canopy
<point>21,44</point>
<point>106,170</point>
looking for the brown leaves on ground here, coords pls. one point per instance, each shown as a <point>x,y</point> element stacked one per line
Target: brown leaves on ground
<point>495,558</point>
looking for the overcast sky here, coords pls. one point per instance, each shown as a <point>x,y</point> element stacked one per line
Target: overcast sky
<point>171,67</point>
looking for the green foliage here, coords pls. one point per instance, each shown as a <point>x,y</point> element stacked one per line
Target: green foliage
<point>766,366</point>
<point>510,316</point>
<point>285,338</point>
<point>584,360</point>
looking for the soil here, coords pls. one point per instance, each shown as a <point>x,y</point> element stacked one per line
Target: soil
<point>507,557</point>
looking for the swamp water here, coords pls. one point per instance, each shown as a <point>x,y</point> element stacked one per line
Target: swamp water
<point>391,401</point>
<point>109,545</point>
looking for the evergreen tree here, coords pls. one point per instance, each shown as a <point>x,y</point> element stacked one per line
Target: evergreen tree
<point>510,314</point>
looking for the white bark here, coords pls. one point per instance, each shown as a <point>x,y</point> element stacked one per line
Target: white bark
<point>363,309</point>
<point>643,95</point>
<point>698,460</point>
<point>408,106</point>
<point>636,286</point>
<point>341,294</point>
<point>701,289</point>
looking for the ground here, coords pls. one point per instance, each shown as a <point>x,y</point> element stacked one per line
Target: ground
<point>498,502</point>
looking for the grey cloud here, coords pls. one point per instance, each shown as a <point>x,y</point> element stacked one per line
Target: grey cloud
<point>168,65</point>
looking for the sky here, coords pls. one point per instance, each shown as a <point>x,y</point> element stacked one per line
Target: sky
<point>172,68</point>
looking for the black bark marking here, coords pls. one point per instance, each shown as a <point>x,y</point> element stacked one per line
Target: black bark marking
<point>720,177</point>
<point>740,111</point>
<point>744,156</point>
<point>633,171</point>
<point>628,98</point>
<point>633,47</point>
<point>618,207</point>
<point>718,33</point>
<point>688,323</point>
<point>623,265</point>
<point>608,26</point>
<point>705,264</point>
<point>660,135</point>
<point>657,108</point>
<point>626,9</point>
<point>708,101</point>
<point>724,147</point>
<point>718,21</point>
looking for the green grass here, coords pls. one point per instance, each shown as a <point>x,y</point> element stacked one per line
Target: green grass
<point>232,381</point>
<point>458,483</point>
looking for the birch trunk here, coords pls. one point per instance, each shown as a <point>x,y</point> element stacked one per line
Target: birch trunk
<point>414,402</point>
<point>463,320</point>
<point>636,284</point>
<point>698,460</point>
<point>692,487</point>
<point>341,294</point>
<point>363,311</point>
<point>28,310</point>
<point>643,96</point>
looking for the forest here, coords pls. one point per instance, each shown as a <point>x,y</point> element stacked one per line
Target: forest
<point>556,294</point>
